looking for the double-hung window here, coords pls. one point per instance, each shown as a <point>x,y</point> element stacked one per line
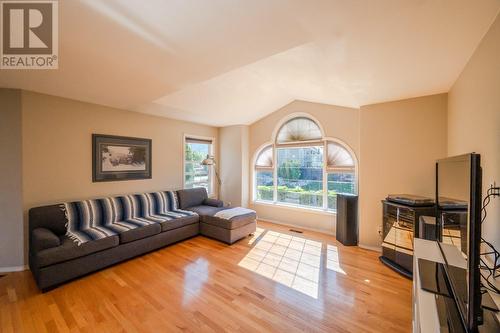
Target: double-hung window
<point>196,174</point>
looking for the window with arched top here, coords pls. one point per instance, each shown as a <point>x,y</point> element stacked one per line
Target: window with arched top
<point>265,158</point>
<point>303,168</point>
<point>338,157</point>
<point>264,180</point>
<point>299,129</point>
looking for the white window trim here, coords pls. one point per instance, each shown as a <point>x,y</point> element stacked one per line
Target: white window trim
<point>324,141</point>
<point>213,192</point>
<point>295,207</point>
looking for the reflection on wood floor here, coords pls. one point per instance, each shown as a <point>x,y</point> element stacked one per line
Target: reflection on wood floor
<point>399,238</point>
<point>293,261</point>
<point>276,281</point>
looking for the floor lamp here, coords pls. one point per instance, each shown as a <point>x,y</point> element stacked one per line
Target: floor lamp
<point>210,161</point>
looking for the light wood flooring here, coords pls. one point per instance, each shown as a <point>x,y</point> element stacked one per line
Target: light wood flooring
<point>277,281</point>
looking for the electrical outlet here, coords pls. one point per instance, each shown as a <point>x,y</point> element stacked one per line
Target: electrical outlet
<point>379,230</point>
<point>495,190</point>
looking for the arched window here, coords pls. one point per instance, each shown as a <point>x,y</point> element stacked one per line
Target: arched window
<point>265,158</point>
<point>264,174</point>
<point>338,157</point>
<point>298,129</point>
<point>303,168</point>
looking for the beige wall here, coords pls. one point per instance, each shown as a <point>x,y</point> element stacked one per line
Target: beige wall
<point>337,122</point>
<point>11,217</point>
<point>245,171</point>
<point>396,143</point>
<point>474,119</point>
<point>400,142</point>
<point>57,149</point>
<point>234,165</point>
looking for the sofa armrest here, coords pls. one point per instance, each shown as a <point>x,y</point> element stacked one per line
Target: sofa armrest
<point>43,238</point>
<point>213,202</point>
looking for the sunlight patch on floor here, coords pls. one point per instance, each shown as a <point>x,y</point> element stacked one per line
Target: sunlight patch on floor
<point>332,259</point>
<point>289,260</point>
<point>256,235</point>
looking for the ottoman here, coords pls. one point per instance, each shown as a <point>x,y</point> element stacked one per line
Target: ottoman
<point>229,225</point>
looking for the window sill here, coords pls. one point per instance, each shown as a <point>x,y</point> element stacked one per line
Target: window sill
<point>296,207</point>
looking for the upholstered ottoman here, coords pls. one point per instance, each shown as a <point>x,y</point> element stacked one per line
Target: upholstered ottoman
<point>229,225</point>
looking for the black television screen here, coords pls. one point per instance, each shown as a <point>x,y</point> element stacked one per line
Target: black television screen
<point>458,198</point>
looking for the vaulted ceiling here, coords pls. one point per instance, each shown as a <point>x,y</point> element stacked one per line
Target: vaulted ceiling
<point>225,62</point>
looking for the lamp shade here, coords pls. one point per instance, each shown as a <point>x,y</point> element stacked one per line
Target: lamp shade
<point>208,161</point>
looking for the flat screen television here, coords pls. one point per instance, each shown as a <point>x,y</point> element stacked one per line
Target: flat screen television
<point>458,198</point>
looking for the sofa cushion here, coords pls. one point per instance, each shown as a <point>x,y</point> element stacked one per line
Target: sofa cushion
<point>43,238</point>
<point>139,233</point>
<point>203,210</point>
<point>233,223</point>
<point>70,250</point>
<point>179,222</point>
<point>158,202</point>
<point>213,202</point>
<point>131,206</point>
<point>51,217</point>
<point>228,236</point>
<point>191,197</point>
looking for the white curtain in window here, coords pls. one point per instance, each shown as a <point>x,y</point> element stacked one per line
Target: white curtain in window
<point>265,158</point>
<point>338,157</point>
<point>299,129</point>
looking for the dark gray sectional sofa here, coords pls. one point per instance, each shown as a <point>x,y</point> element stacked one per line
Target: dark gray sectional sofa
<point>55,258</point>
<point>228,231</point>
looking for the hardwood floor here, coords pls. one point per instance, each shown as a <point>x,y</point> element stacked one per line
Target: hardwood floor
<point>277,281</point>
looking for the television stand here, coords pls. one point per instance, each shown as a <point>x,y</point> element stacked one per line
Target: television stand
<point>428,306</point>
<point>398,268</point>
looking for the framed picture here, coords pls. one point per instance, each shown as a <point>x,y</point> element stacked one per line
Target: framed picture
<point>120,158</point>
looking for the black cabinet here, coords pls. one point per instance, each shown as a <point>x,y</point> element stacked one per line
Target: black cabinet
<point>400,226</point>
<point>427,228</point>
<point>347,219</point>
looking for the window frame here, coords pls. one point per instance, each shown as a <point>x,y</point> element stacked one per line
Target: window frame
<point>295,118</point>
<point>211,178</point>
<point>326,171</point>
<point>298,144</point>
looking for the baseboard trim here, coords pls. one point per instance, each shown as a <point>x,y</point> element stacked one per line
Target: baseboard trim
<point>13,269</point>
<point>371,247</point>
<point>296,226</point>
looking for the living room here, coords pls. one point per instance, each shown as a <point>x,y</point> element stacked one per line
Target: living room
<point>232,165</point>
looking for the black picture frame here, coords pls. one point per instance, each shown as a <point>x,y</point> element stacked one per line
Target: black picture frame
<point>118,158</point>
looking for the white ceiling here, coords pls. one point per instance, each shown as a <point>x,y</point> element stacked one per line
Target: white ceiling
<point>226,62</point>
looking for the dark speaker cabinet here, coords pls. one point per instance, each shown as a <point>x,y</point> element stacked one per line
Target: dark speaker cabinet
<point>347,219</point>
<point>400,226</point>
